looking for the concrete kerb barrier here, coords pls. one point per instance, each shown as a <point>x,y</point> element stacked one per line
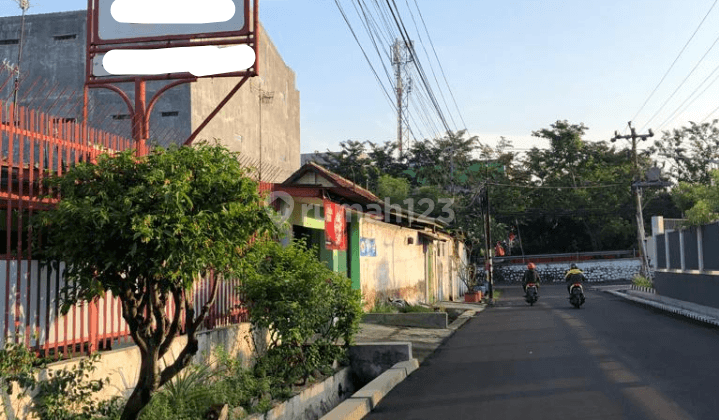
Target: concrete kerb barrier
<point>409,366</point>
<point>669,308</point>
<point>350,409</point>
<point>366,399</point>
<point>369,360</point>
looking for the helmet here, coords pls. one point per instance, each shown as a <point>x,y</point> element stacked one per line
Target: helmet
<point>531,266</point>
<point>573,266</point>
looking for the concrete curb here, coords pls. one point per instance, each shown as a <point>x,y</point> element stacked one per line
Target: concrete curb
<point>366,399</point>
<point>673,309</point>
<point>462,319</point>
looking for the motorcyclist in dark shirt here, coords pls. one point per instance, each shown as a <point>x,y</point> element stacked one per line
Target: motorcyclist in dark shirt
<point>574,275</point>
<point>530,276</point>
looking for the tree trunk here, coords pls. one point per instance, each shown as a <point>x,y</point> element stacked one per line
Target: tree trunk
<point>153,344</point>
<point>147,384</point>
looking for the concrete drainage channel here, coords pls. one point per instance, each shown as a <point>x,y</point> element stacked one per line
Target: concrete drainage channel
<point>370,358</point>
<point>366,399</point>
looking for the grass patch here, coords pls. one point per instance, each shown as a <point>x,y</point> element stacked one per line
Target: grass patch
<point>642,282</point>
<point>383,307</point>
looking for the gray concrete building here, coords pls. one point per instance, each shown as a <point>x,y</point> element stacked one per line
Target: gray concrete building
<point>262,121</point>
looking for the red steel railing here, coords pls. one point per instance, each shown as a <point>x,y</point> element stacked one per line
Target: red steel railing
<point>32,143</point>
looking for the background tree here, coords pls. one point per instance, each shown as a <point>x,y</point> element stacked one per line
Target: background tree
<point>352,162</point>
<point>573,196</point>
<point>365,162</point>
<point>395,189</point>
<point>146,229</point>
<point>698,202</point>
<point>687,153</point>
<point>583,200</point>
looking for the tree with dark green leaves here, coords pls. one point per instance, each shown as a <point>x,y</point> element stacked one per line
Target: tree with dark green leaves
<point>688,153</point>
<point>396,190</point>
<point>365,162</point>
<point>698,202</point>
<point>146,229</point>
<point>352,162</point>
<point>573,196</point>
<point>583,196</point>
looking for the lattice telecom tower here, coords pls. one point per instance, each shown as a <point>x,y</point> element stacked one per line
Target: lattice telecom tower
<point>401,56</point>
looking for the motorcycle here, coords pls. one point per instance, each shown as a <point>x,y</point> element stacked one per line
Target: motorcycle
<point>576,295</point>
<point>532,294</point>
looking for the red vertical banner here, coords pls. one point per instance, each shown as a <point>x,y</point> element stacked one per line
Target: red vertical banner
<point>335,226</point>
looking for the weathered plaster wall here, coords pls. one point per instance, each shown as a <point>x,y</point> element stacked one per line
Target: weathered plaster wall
<point>238,124</point>
<point>398,270</point>
<point>595,271</point>
<point>446,277</point>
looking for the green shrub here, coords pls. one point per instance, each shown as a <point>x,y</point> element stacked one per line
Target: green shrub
<point>306,307</point>
<point>110,409</point>
<point>67,394</point>
<point>18,366</point>
<point>642,282</point>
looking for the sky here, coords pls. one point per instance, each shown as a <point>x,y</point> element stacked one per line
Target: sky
<point>513,66</point>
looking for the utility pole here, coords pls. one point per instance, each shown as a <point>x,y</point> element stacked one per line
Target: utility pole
<point>487,244</point>
<point>637,193</point>
<point>403,86</point>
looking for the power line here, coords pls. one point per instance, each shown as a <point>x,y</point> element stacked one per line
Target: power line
<point>383,24</point>
<point>441,68</point>
<point>423,78</point>
<point>539,187</point>
<point>674,62</point>
<point>431,67</point>
<point>371,33</point>
<point>674,114</point>
<point>376,35</point>
<point>349,25</point>
<point>390,37</point>
<point>681,84</point>
<point>710,114</point>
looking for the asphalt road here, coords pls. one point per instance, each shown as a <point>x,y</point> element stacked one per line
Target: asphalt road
<point>611,359</point>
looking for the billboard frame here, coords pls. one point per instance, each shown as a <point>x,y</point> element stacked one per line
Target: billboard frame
<point>248,35</point>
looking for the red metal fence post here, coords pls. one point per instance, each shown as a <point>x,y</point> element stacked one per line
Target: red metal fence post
<point>93,320</point>
<point>138,119</point>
